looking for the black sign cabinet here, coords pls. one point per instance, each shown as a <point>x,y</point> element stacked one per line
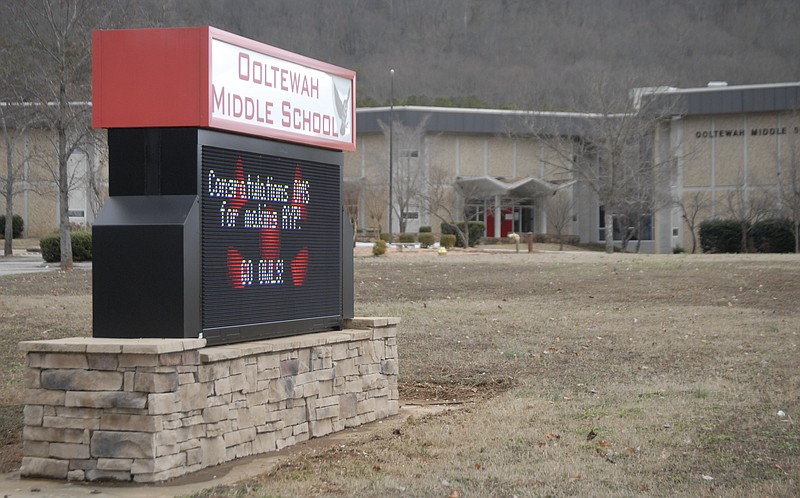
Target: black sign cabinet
<point>222,236</point>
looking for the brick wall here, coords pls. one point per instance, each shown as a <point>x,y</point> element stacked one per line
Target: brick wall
<point>149,410</point>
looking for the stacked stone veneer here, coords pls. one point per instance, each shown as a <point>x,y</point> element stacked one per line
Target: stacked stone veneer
<point>153,409</point>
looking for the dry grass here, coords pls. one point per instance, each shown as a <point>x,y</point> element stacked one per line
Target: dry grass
<point>34,306</point>
<point>677,364</point>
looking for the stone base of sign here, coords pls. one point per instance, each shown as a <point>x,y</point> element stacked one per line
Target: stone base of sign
<point>148,410</point>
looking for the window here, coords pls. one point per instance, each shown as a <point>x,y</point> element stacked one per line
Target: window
<point>476,210</point>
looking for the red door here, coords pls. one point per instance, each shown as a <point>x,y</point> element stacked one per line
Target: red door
<point>506,222</point>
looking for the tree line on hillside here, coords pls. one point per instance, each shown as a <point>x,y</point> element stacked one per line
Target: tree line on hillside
<point>519,53</point>
<point>509,53</point>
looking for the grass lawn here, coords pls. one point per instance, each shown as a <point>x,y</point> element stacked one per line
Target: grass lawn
<point>568,374</point>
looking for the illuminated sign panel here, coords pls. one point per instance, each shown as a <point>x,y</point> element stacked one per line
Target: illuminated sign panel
<point>256,91</point>
<point>271,232</point>
<point>205,77</point>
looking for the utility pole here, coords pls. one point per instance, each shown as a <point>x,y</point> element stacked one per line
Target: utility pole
<point>391,152</point>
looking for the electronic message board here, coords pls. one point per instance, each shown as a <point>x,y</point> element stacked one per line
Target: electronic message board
<point>271,241</point>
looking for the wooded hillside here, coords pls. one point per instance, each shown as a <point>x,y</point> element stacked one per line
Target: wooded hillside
<point>505,53</point>
<point>521,53</point>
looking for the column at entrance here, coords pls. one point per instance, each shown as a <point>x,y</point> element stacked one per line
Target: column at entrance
<point>541,220</point>
<point>498,220</point>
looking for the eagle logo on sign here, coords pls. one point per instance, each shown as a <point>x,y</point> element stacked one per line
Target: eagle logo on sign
<point>341,102</point>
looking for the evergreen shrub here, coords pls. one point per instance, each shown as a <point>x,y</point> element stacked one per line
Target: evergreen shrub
<point>407,238</point>
<point>476,229</point>
<point>379,249</point>
<point>17,226</point>
<point>773,235</point>
<point>81,246</point>
<point>720,236</point>
<point>447,241</point>
<point>426,239</point>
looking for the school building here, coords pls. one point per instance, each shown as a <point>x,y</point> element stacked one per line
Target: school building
<point>725,150</point>
<point>730,150</point>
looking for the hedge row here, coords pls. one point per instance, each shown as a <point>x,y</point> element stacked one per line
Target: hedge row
<point>81,246</point>
<point>767,236</point>
<point>720,236</point>
<point>774,235</point>
<point>425,238</point>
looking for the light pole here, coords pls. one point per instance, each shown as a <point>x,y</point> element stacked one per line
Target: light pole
<point>391,151</point>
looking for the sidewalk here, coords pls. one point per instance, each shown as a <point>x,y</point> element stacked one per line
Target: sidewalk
<point>31,262</point>
<point>26,258</point>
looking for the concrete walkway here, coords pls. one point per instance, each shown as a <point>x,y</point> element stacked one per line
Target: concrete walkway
<point>30,262</point>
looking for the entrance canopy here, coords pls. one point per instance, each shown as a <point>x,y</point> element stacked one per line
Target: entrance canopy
<point>518,188</point>
<point>508,203</point>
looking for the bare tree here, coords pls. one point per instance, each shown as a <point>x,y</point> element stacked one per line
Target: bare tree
<point>691,206</point>
<point>16,116</point>
<point>449,203</point>
<point>747,206</point>
<point>409,168</point>
<point>56,43</point>
<point>15,119</point>
<point>647,191</point>
<point>353,191</point>
<point>560,210</point>
<point>608,150</point>
<point>60,42</point>
<point>636,203</point>
<point>375,204</point>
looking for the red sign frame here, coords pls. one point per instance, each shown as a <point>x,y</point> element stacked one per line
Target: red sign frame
<point>162,77</point>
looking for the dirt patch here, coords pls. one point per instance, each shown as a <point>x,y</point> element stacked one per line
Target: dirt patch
<point>453,393</point>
